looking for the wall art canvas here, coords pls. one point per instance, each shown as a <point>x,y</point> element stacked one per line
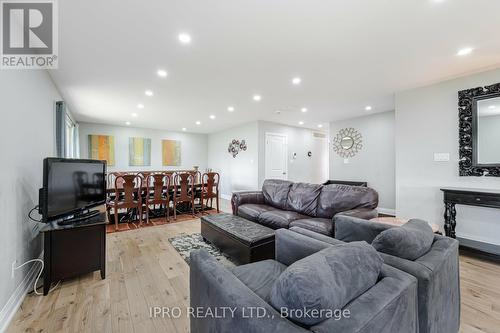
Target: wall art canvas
<point>139,150</point>
<point>102,147</point>
<point>171,152</point>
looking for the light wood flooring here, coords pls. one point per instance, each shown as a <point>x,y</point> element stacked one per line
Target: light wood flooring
<point>144,270</point>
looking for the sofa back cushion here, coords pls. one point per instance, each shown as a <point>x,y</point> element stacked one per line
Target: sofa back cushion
<point>275,192</point>
<point>410,241</point>
<point>303,198</point>
<point>339,198</point>
<point>326,280</point>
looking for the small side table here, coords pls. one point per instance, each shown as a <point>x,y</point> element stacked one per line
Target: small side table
<point>400,221</point>
<point>74,249</point>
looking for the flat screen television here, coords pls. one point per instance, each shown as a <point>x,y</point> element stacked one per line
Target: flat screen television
<point>71,186</point>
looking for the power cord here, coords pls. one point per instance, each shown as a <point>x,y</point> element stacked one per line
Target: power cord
<point>38,276</point>
<point>31,211</point>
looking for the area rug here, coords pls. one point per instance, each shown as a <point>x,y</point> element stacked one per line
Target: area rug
<point>185,243</point>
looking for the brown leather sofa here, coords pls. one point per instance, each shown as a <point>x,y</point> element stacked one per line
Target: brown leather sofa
<point>284,204</point>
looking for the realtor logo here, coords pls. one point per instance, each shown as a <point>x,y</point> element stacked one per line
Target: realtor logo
<point>29,34</point>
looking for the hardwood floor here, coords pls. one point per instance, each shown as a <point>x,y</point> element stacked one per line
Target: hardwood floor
<point>144,270</point>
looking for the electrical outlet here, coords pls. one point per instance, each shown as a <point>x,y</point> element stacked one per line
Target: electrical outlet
<point>13,268</point>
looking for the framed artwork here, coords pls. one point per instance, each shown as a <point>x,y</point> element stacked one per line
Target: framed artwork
<point>102,147</point>
<point>171,152</point>
<point>139,152</point>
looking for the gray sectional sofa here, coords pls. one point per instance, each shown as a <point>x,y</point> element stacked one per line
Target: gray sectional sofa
<point>437,270</point>
<point>310,273</point>
<point>284,204</point>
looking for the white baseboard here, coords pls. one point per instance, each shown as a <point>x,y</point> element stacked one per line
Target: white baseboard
<point>17,297</point>
<point>386,211</point>
<point>225,196</point>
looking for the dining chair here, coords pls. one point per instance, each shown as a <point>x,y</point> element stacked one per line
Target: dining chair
<point>210,189</point>
<point>157,193</point>
<point>183,191</point>
<point>130,197</point>
<point>110,184</point>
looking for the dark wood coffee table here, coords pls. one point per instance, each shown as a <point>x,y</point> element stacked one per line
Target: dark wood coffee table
<point>241,239</point>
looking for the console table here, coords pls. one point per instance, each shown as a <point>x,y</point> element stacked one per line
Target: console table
<point>466,196</point>
<point>74,249</point>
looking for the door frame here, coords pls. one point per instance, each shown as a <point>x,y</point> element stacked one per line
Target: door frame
<point>265,153</point>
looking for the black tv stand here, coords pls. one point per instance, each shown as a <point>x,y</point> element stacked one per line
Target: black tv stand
<point>74,249</point>
<point>85,215</point>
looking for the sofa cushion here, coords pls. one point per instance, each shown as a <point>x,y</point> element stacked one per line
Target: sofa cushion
<point>303,198</point>
<point>317,224</point>
<point>275,192</point>
<point>279,218</point>
<point>328,279</point>
<point>410,241</point>
<point>339,198</point>
<point>260,276</point>
<point>252,211</point>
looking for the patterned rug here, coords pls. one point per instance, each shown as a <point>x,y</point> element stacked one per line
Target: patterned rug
<point>185,243</point>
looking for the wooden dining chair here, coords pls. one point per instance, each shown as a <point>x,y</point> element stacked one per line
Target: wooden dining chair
<point>183,191</point>
<point>127,195</point>
<point>157,193</point>
<point>210,189</point>
<point>110,183</point>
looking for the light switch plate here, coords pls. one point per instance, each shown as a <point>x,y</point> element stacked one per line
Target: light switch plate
<point>441,157</point>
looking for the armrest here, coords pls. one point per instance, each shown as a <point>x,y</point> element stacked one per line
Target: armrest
<point>245,197</point>
<point>292,246</point>
<point>351,229</point>
<point>315,235</point>
<point>362,213</point>
<point>214,288</point>
<point>438,278</point>
<point>389,306</point>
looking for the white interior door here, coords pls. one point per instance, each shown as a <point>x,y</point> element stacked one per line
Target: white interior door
<point>276,156</point>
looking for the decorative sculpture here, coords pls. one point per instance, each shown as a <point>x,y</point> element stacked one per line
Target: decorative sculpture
<point>236,146</point>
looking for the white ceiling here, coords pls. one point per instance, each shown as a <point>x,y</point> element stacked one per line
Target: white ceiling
<point>349,54</point>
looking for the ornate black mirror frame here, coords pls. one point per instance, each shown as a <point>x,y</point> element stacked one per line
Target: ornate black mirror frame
<point>467,108</point>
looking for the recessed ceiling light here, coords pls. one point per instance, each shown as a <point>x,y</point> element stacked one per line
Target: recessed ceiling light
<point>184,38</point>
<point>465,51</point>
<point>368,108</point>
<point>162,73</point>
<point>257,98</point>
<point>212,117</point>
<point>304,110</point>
<point>320,125</point>
<point>198,122</point>
<point>278,111</point>
<point>127,123</point>
<point>491,107</point>
<point>134,115</point>
<point>296,81</point>
<point>230,108</point>
<point>149,93</point>
<point>184,129</point>
<point>140,106</point>
<point>301,123</point>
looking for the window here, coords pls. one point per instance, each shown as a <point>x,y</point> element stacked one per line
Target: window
<point>66,133</point>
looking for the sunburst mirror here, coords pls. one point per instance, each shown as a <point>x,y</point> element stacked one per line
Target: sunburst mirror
<point>348,142</point>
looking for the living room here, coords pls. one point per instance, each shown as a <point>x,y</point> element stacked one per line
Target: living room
<point>250,166</point>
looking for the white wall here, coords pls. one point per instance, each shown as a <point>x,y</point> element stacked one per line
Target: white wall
<point>193,146</point>
<point>427,122</point>
<point>241,172</point>
<point>375,163</point>
<point>300,140</point>
<point>27,107</point>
